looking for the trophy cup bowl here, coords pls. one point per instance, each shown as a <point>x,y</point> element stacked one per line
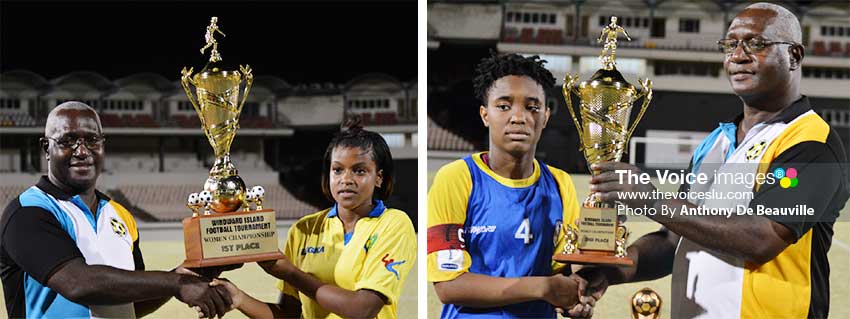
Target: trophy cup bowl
<point>217,104</point>
<point>605,108</point>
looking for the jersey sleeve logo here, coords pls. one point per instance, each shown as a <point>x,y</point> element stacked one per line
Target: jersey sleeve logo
<point>450,259</point>
<point>558,225</point>
<point>390,263</point>
<point>370,242</point>
<point>118,227</point>
<point>754,151</point>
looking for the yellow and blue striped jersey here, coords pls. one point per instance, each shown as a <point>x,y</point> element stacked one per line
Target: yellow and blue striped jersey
<point>378,255</point>
<point>484,223</point>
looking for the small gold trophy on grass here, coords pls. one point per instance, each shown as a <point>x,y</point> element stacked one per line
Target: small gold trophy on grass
<point>218,233</point>
<point>605,107</point>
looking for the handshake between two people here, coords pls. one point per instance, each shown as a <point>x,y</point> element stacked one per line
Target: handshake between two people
<point>212,296</point>
<point>202,290</point>
<point>576,295</point>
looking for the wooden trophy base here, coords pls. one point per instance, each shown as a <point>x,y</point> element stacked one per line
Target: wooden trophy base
<point>222,239</point>
<point>591,257</point>
<point>599,236</point>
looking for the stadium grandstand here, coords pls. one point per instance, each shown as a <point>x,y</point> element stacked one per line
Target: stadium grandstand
<point>158,155</point>
<point>672,42</point>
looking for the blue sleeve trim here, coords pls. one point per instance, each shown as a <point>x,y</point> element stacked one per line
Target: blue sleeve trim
<point>34,197</point>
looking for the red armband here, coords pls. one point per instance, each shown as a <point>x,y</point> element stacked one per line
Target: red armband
<point>445,236</point>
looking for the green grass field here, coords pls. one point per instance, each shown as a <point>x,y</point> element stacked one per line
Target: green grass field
<point>165,255</point>
<point>615,303</point>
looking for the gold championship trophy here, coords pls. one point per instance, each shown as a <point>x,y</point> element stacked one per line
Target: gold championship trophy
<point>222,234</point>
<point>605,107</point>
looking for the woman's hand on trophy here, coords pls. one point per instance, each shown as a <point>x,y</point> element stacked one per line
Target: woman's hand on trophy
<point>611,182</point>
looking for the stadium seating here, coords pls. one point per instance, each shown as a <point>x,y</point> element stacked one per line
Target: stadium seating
<point>510,35</point>
<point>186,121</point>
<point>526,36</point>
<point>111,120</point>
<point>818,48</point>
<point>255,122</point>
<point>17,119</point>
<point>440,139</point>
<point>835,49</point>
<point>178,163</point>
<point>385,118</point>
<point>131,162</point>
<point>549,36</point>
<point>8,192</point>
<point>141,120</point>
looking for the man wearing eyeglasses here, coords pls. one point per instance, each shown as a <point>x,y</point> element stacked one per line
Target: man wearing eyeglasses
<point>768,259</point>
<point>68,251</point>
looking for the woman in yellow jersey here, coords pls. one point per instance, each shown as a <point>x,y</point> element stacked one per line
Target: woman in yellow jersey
<point>349,260</point>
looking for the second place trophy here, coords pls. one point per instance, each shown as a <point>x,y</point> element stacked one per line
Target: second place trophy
<point>605,108</point>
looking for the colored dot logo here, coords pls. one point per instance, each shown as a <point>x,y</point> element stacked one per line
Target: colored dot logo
<point>787,178</point>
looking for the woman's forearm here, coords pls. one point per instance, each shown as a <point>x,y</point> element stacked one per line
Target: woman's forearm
<point>253,308</point>
<point>346,303</point>
<point>482,291</point>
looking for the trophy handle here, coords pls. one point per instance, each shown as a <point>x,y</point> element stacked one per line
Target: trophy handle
<point>249,80</point>
<point>646,92</point>
<point>569,83</point>
<point>185,80</point>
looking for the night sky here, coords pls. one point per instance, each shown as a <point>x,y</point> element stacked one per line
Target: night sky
<point>300,42</point>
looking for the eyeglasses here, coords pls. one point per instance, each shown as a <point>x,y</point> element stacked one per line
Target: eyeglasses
<point>91,142</point>
<point>754,45</point>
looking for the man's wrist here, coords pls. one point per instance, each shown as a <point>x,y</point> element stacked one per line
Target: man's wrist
<point>176,281</point>
<point>658,205</point>
<point>614,275</point>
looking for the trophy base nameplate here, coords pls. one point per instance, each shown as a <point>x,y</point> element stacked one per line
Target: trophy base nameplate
<point>592,257</point>
<point>597,240</point>
<point>222,239</point>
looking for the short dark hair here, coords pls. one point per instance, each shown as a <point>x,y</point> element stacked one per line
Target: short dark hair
<point>356,136</point>
<point>496,66</point>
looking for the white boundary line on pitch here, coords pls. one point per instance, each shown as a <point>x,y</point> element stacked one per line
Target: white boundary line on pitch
<point>842,245</point>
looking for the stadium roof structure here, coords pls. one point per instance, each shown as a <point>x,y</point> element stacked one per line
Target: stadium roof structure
<point>95,79</point>
<point>34,80</point>
<point>374,80</point>
<point>157,81</point>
